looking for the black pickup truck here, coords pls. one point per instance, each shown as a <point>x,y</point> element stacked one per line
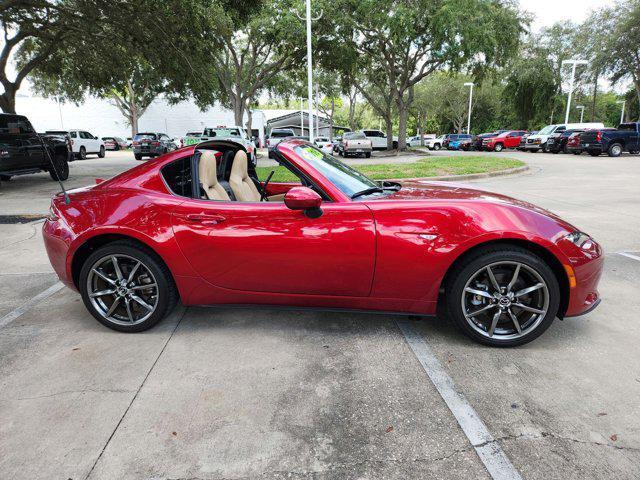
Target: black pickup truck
<point>24,151</point>
<point>625,138</point>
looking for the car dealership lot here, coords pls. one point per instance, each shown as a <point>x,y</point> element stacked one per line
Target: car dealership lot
<point>225,393</point>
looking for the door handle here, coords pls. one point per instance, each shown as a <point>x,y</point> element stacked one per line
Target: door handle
<point>205,219</point>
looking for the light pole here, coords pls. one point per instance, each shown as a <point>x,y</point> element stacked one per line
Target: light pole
<point>581,108</point>
<point>470,85</point>
<point>622,112</point>
<point>574,63</point>
<point>301,117</point>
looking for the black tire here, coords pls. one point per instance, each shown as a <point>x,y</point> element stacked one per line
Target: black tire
<point>117,147</point>
<point>577,152</point>
<point>614,150</point>
<point>167,292</point>
<point>61,171</point>
<point>465,270</point>
<point>593,153</point>
<point>101,153</point>
<point>341,153</point>
<point>436,147</point>
<point>533,150</point>
<point>368,155</point>
<point>632,152</point>
<point>137,156</point>
<point>499,147</point>
<point>5,178</point>
<point>82,154</point>
<point>544,148</point>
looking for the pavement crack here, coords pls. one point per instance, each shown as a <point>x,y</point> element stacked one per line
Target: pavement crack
<point>566,439</point>
<point>70,392</point>
<point>144,380</point>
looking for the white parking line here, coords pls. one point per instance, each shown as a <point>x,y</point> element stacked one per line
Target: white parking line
<point>629,255</point>
<point>488,449</point>
<point>29,304</point>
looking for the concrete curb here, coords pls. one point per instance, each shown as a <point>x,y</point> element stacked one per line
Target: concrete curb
<point>471,176</point>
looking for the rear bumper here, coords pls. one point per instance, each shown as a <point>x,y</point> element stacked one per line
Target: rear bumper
<point>592,146</point>
<point>148,151</point>
<point>57,239</point>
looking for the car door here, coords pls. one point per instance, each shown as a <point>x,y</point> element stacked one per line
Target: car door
<point>266,247</point>
<point>513,140</point>
<point>93,144</point>
<point>13,154</point>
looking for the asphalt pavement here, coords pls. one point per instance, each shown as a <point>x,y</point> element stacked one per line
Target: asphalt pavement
<point>238,394</point>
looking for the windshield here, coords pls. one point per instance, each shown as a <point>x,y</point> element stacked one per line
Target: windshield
<point>348,180</point>
<point>222,132</point>
<point>281,133</point>
<point>145,136</point>
<point>547,130</point>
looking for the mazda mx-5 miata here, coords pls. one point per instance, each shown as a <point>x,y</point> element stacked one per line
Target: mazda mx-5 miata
<point>198,225</point>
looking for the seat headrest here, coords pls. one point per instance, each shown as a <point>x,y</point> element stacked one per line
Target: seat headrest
<point>208,170</point>
<point>240,166</point>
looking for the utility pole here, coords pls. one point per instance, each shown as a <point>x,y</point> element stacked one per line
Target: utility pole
<point>469,84</point>
<point>581,108</point>
<point>301,117</point>
<point>317,110</point>
<point>623,102</point>
<point>574,64</point>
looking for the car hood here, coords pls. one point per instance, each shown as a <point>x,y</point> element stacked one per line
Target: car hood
<point>417,190</point>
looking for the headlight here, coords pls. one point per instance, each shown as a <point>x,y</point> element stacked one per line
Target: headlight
<point>580,239</point>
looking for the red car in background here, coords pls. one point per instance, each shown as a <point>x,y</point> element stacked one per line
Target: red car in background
<point>508,139</point>
<point>197,225</point>
<point>573,143</point>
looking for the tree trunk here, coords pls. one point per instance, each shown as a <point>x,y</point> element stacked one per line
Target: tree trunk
<point>419,128</point>
<point>352,109</point>
<point>8,100</point>
<point>238,109</point>
<point>249,121</point>
<point>595,96</point>
<point>133,120</point>
<point>389,126</point>
<point>402,127</point>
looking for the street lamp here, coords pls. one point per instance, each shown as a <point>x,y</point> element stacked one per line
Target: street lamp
<point>574,63</point>
<point>622,112</point>
<point>470,85</point>
<point>581,108</point>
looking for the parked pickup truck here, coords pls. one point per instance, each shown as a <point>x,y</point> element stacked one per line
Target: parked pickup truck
<point>235,133</point>
<point>23,151</point>
<point>625,138</point>
<point>355,143</point>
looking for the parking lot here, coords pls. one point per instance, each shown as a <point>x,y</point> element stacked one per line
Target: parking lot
<point>233,394</point>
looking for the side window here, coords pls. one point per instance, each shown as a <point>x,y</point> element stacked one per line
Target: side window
<point>560,129</point>
<point>73,134</point>
<point>178,176</point>
<point>24,125</point>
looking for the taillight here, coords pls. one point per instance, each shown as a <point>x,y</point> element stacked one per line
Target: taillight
<point>598,136</point>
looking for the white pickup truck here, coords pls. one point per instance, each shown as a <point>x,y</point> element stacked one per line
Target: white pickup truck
<point>379,139</point>
<point>233,133</point>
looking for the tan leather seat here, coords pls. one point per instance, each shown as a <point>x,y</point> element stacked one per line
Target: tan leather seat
<point>243,187</point>
<point>208,173</point>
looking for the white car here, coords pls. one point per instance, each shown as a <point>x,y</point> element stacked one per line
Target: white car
<point>234,132</point>
<point>434,143</point>
<point>538,141</point>
<point>82,142</point>
<point>324,144</point>
<point>415,141</point>
<point>379,139</point>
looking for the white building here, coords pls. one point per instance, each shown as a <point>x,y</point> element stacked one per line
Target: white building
<point>102,119</point>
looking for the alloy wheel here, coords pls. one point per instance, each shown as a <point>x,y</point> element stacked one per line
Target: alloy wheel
<point>122,289</point>
<point>505,300</point>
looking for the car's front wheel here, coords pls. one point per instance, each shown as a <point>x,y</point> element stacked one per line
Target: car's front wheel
<point>503,296</point>
<point>615,150</point>
<point>126,287</point>
<point>101,153</point>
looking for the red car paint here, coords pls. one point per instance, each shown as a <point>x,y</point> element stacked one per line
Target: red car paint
<point>386,254</point>
<point>510,139</point>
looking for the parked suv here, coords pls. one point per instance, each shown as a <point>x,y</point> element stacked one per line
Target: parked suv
<point>379,139</point>
<point>557,142</point>
<point>508,139</point>
<point>82,142</point>
<point>24,151</point>
<point>151,144</point>
<point>114,143</point>
<point>538,141</point>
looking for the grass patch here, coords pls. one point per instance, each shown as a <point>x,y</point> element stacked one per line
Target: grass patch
<point>425,167</point>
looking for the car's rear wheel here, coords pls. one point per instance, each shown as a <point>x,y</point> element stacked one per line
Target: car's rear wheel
<point>503,296</point>
<point>615,150</point>
<point>83,153</point>
<point>137,156</point>
<point>127,287</point>
<point>61,170</point>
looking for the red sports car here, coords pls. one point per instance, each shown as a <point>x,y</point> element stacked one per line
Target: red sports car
<point>197,225</point>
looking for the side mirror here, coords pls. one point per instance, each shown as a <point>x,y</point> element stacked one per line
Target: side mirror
<point>303,198</point>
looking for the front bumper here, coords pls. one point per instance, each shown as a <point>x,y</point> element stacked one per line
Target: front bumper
<point>587,266</point>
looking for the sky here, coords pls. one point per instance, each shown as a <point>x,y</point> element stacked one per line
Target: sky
<point>547,12</point>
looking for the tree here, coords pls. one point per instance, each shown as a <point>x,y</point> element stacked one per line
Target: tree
<point>36,28</point>
<point>247,59</point>
<point>408,41</point>
<point>622,45</point>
